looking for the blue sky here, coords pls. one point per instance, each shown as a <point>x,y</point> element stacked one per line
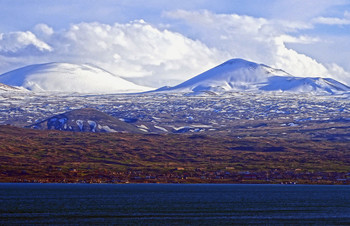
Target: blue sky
<point>24,14</point>
<point>162,42</point>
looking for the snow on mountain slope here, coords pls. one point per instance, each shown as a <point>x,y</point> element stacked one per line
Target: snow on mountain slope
<point>239,74</point>
<point>297,84</point>
<point>233,74</point>
<point>65,77</point>
<point>4,87</point>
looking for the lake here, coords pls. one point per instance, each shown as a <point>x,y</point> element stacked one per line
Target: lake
<point>173,204</point>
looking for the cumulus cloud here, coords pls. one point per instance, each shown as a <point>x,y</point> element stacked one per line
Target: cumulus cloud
<point>43,29</point>
<point>339,73</point>
<point>257,39</point>
<point>166,55</point>
<point>331,21</point>
<point>137,50</point>
<point>296,63</point>
<point>303,39</point>
<point>16,41</point>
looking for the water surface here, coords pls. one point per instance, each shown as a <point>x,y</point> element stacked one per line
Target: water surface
<point>199,204</point>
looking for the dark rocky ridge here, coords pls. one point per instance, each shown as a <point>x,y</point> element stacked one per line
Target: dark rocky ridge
<point>85,120</point>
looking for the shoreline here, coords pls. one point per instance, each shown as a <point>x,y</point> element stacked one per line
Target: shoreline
<point>173,183</point>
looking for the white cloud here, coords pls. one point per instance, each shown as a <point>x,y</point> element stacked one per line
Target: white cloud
<point>155,56</point>
<point>257,39</point>
<point>339,73</point>
<point>43,29</point>
<point>16,41</point>
<point>331,21</point>
<point>296,63</point>
<point>300,39</point>
<point>135,50</point>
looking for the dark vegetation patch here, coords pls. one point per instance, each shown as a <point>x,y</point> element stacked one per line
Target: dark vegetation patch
<point>197,136</point>
<point>244,148</point>
<point>58,156</point>
<point>274,149</point>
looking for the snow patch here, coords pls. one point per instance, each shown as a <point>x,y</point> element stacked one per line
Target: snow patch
<point>106,128</point>
<point>80,123</point>
<point>161,128</point>
<point>143,127</point>
<point>93,125</point>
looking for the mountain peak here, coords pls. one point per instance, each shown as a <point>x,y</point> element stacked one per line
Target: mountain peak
<point>242,75</point>
<point>240,62</point>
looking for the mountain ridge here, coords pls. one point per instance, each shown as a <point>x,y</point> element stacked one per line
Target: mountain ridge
<point>233,75</point>
<point>85,120</point>
<point>4,87</point>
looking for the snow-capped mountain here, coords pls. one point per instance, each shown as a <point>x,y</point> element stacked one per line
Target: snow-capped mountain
<point>242,75</point>
<point>4,87</point>
<point>65,77</point>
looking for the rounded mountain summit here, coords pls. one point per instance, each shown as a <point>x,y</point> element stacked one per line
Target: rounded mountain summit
<point>242,75</point>
<point>232,75</point>
<point>66,77</point>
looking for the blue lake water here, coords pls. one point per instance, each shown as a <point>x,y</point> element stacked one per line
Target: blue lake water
<point>172,204</point>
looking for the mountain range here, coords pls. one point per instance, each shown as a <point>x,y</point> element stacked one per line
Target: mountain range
<point>233,75</point>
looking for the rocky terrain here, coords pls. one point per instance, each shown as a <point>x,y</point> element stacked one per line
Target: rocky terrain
<point>275,113</point>
<point>85,120</point>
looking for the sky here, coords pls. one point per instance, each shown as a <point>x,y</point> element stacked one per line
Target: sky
<point>161,42</point>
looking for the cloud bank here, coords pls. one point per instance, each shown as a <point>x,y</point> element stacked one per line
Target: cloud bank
<point>158,55</point>
<point>255,39</point>
<point>136,50</point>
<point>262,40</point>
<point>14,42</point>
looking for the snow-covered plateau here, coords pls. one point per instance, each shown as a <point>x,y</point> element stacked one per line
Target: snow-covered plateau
<point>178,113</point>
